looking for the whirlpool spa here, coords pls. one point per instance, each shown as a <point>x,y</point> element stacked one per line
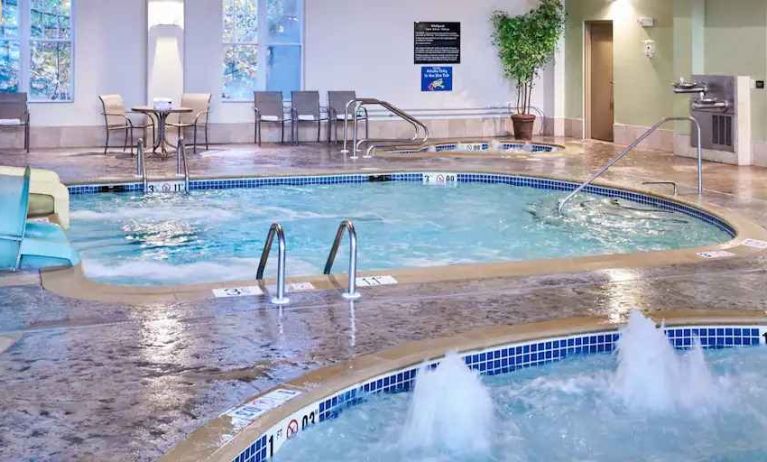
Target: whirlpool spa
<point>403,220</point>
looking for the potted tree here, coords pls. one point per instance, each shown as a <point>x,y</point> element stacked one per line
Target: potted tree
<point>525,45</point>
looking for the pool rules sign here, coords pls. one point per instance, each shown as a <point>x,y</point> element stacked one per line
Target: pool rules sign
<point>437,43</point>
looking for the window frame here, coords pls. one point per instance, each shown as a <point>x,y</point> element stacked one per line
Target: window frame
<point>25,40</point>
<point>263,44</point>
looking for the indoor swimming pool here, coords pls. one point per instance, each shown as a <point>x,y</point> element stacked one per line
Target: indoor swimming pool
<point>645,401</point>
<point>217,232</point>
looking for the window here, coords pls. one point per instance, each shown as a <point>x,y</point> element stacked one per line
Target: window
<point>36,49</point>
<point>261,51</point>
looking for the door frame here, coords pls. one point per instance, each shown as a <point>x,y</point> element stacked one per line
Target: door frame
<point>587,73</point>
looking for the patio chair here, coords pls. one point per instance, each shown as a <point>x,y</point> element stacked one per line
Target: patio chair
<point>269,108</point>
<point>198,118</point>
<point>337,101</point>
<point>15,114</point>
<point>305,107</point>
<point>116,118</point>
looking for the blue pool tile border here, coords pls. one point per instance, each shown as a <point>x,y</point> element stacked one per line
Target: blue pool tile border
<point>490,178</point>
<point>529,354</point>
<point>508,358</point>
<point>256,452</point>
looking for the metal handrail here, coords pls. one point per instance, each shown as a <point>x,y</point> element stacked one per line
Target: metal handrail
<point>417,124</point>
<point>631,147</point>
<point>275,229</point>
<point>140,165</point>
<point>420,130</point>
<point>346,225</point>
<point>181,165</point>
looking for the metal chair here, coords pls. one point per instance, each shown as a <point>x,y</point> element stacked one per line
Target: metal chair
<point>116,118</point>
<point>337,101</point>
<point>269,108</point>
<point>200,105</point>
<point>14,113</point>
<point>305,107</point>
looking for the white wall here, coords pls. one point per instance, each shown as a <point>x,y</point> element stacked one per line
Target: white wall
<point>366,45</point>
<point>110,57</point>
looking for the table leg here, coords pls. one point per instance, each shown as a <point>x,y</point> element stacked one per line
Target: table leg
<point>161,133</point>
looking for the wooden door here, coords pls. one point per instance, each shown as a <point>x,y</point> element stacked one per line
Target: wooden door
<point>601,81</point>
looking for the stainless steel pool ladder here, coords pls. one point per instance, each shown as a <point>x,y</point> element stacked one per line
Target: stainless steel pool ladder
<point>140,166</point>
<point>346,225</point>
<point>420,135</point>
<point>275,230</point>
<point>631,147</point>
<point>181,165</point>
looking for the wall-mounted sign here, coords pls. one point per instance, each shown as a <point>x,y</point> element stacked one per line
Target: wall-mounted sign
<point>437,78</point>
<point>437,43</point>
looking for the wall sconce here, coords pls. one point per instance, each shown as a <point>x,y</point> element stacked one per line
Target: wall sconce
<point>165,13</point>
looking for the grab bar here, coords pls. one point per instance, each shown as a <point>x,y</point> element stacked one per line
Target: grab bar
<point>275,229</point>
<point>140,166</point>
<point>420,130</point>
<point>346,225</point>
<point>181,166</point>
<point>631,147</point>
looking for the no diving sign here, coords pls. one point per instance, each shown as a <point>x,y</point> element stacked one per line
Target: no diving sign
<point>291,429</point>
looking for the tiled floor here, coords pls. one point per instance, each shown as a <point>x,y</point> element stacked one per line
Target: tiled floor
<point>116,382</point>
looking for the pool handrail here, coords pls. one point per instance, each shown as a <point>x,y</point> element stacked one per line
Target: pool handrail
<point>181,165</point>
<point>631,147</point>
<point>420,129</point>
<point>140,165</point>
<point>275,230</point>
<point>346,225</point>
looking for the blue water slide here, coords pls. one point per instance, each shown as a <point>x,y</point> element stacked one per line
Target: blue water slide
<point>28,245</point>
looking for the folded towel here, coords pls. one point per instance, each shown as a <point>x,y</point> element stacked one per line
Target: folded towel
<point>162,104</point>
<point>10,121</point>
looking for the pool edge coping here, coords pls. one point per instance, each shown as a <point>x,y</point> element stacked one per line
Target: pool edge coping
<point>71,282</point>
<point>204,443</point>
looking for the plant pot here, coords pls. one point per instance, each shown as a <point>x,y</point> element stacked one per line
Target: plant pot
<point>523,126</point>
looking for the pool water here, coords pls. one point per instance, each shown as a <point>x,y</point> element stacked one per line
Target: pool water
<point>218,235</point>
<point>568,410</point>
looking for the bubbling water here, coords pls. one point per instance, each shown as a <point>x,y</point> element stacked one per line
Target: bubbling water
<point>451,411</point>
<point>652,376</point>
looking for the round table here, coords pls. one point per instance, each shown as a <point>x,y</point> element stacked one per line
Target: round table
<point>161,116</point>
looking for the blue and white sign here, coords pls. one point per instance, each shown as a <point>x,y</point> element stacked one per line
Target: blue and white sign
<point>437,78</point>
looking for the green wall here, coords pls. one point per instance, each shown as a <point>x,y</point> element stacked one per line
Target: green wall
<point>692,36</point>
<point>642,85</point>
<point>736,44</point>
